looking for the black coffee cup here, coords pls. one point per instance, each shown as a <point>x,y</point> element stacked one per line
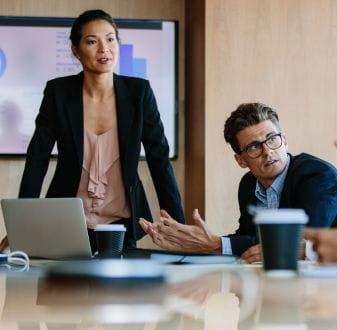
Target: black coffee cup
<point>280,234</point>
<point>110,240</point>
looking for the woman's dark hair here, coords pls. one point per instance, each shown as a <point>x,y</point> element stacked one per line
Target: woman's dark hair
<point>85,18</point>
<point>247,114</point>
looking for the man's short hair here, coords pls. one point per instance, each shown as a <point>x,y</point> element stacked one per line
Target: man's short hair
<point>247,114</point>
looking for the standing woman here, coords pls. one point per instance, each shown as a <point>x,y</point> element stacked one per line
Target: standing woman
<point>99,120</point>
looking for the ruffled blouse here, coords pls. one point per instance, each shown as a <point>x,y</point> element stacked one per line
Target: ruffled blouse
<point>101,187</point>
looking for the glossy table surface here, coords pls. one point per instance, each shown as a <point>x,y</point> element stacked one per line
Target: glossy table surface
<point>192,297</point>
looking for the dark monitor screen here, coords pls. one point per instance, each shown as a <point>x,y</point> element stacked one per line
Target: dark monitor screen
<point>34,50</point>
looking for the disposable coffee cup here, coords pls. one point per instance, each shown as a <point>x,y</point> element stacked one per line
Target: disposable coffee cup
<point>280,233</point>
<point>109,240</point>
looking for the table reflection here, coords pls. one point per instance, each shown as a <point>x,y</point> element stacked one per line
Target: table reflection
<point>320,303</point>
<point>219,300</point>
<point>296,304</point>
<point>209,300</point>
<point>192,298</point>
<point>281,304</point>
<point>80,301</point>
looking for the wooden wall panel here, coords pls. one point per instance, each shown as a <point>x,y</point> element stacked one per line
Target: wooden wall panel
<point>195,108</point>
<point>282,53</point>
<point>11,169</point>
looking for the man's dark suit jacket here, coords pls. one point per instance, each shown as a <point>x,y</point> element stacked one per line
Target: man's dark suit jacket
<point>310,184</point>
<point>60,119</point>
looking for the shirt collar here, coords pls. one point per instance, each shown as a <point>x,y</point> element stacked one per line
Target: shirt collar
<point>276,186</point>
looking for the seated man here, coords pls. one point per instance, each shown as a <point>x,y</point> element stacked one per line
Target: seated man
<point>276,180</point>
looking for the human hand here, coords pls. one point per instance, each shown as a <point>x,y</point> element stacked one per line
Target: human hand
<point>4,245</point>
<point>152,230</point>
<point>252,254</point>
<point>171,235</point>
<point>324,243</point>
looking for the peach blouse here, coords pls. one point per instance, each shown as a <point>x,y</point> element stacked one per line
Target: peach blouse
<point>101,187</point>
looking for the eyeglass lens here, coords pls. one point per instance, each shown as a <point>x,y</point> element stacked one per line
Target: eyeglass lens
<point>273,142</point>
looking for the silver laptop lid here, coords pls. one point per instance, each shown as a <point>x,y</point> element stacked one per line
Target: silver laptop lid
<point>47,227</point>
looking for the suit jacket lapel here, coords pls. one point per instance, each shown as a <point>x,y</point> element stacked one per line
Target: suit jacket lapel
<point>287,187</point>
<point>74,109</point>
<point>125,113</point>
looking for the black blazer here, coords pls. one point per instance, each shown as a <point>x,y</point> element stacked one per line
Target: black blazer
<point>310,184</point>
<point>60,119</point>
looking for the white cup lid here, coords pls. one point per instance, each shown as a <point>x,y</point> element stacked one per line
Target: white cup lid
<point>110,227</point>
<point>279,216</point>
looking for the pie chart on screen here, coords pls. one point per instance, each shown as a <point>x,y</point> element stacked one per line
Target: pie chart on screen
<point>2,62</point>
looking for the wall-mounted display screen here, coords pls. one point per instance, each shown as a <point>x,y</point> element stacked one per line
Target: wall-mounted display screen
<point>34,50</point>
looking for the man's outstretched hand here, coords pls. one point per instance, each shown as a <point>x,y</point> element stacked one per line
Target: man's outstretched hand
<point>170,235</point>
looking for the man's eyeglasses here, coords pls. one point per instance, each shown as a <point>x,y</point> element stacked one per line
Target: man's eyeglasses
<point>255,149</point>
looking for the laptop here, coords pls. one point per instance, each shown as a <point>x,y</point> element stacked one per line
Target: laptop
<point>52,228</point>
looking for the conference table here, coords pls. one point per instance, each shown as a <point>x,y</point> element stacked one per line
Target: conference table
<point>208,297</point>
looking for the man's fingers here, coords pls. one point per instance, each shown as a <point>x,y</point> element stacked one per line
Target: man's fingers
<point>161,238</point>
<point>149,228</point>
<point>143,223</point>
<point>174,225</point>
<point>164,214</point>
<point>251,253</point>
<point>167,220</point>
<point>164,243</point>
<point>142,220</point>
<point>177,233</point>
<point>146,226</point>
<point>168,230</point>
<point>196,215</point>
<point>173,236</point>
<point>254,258</point>
<point>155,236</point>
<point>153,230</point>
<point>198,221</point>
<point>159,233</point>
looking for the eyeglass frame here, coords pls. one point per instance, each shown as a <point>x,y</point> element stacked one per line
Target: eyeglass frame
<point>260,144</point>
